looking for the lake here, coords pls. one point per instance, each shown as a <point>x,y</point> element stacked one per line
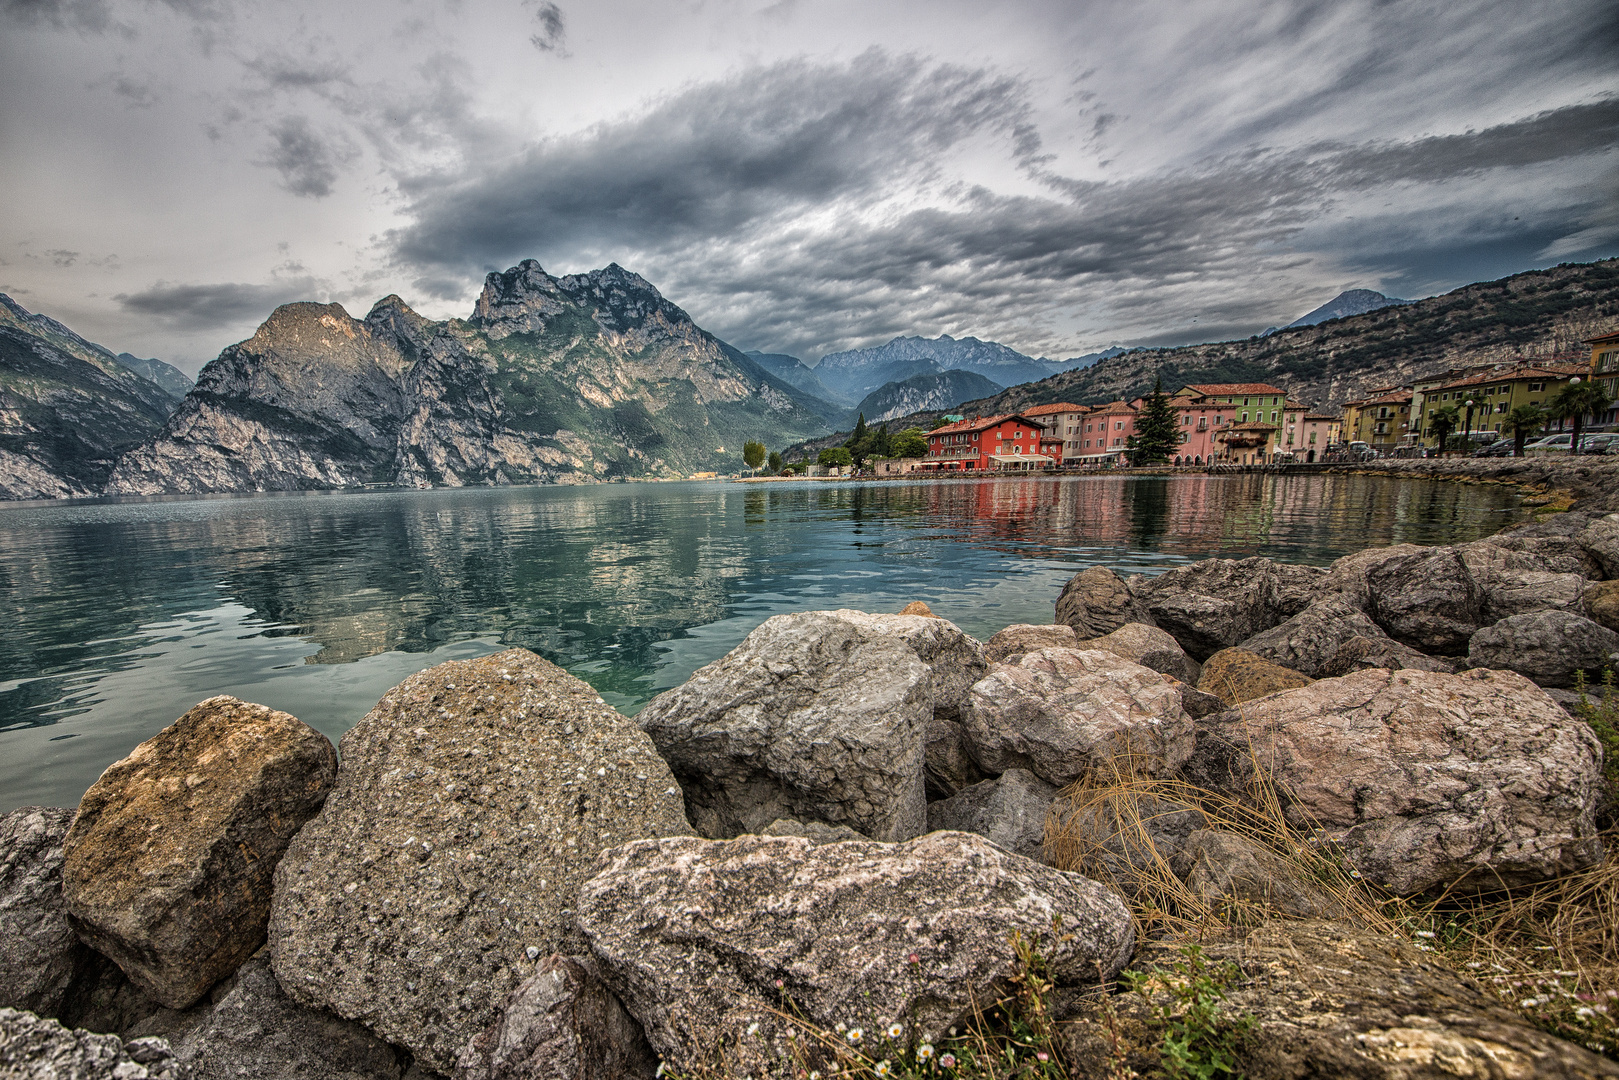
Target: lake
<point>121,614</point>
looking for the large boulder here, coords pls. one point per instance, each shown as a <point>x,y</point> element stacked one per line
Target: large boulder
<point>1360,653</point>
<point>1097,601</point>
<point>1020,638</point>
<point>1550,647</point>
<point>1216,603</point>
<point>167,867</point>
<point>821,715</point>
<point>1600,540</point>
<point>1237,675</point>
<point>1552,554</point>
<point>471,802</point>
<point>41,958</point>
<point>1421,596</point>
<point>37,1048</point>
<point>1514,582</point>
<point>1427,781</point>
<point>704,939</point>
<point>1329,1000</point>
<point>256,1031</point>
<point>1010,810</point>
<point>1062,713</point>
<point>1149,647</point>
<point>561,1023</point>
<point>1309,639</point>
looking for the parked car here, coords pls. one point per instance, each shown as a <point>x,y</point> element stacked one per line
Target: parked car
<point>1602,442</point>
<point>1550,443</point>
<point>1499,448</point>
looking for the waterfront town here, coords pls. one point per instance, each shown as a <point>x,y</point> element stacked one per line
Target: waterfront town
<point>1465,409</point>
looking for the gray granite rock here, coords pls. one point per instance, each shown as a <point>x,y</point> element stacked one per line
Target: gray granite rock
<point>1360,653</point>
<point>1097,601</point>
<point>470,803</point>
<point>1020,638</point>
<point>819,715</point>
<point>1307,641</point>
<point>1150,647</point>
<point>561,1023</point>
<point>1009,810</point>
<point>1122,836</point>
<point>1427,781</point>
<point>1600,540</point>
<point>36,1048</point>
<point>1423,597</point>
<point>703,939</point>
<point>1215,603</point>
<point>1550,647</point>
<point>41,958</point>
<point>1062,713</point>
<point>816,832</point>
<point>167,866</point>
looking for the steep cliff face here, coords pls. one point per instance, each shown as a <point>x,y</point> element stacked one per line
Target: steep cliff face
<point>942,391</point>
<point>312,400</point>
<point>68,408</point>
<point>552,380</point>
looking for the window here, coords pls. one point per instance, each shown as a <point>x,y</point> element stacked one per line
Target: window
<point>1245,418</point>
<point>1536,387</point>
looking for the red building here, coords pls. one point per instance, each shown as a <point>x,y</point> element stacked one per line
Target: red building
<point>1008,442</point>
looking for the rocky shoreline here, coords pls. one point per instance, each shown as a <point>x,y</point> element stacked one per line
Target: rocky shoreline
<point>859,821</point>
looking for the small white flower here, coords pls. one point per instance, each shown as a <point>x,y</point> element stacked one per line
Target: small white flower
<point>1425,933</point>
<point>882,1068</point>
<point>841,1028</point>
<point>1583,1011</point>
<point>753,1028</point>
<point>924,1051</point>
<point>855,1035</point>
<point>661,1066</point>
<point>814,1075</point>
<point>895,1031</point>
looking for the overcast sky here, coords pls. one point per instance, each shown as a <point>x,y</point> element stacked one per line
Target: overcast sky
<point>799,176</point>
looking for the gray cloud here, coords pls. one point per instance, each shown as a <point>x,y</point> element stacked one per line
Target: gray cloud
<point>309,163</point>
<point>714,193</point>
<point>217,305</point>
<point>716,158</point>
<point>91,16</point>
<point>552,34</point>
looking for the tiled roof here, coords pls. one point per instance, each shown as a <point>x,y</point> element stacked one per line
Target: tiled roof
<point>1319,416</point>
<point>1514,374</point>
<point>1604,339</point>
<point>1059,407</point>
<point>980,424</point>
<point>1114,408</point>
<point>1217,389</point>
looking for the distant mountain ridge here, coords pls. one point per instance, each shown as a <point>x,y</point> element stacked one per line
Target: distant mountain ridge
<point>796,373</point>
<point>1345,304</point>
<point>551,380</point>
<point>68,408</point>
<point>941,390</point>
<point>855,373</point>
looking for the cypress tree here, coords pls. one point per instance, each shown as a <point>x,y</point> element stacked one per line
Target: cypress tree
<point>1156,434</point>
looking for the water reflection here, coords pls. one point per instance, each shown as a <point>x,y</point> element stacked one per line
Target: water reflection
<point>119,616</point>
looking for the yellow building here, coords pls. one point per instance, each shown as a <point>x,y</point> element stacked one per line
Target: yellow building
<point>1605,371</point>
<point>1380,419</point>
<point>1496,392</point>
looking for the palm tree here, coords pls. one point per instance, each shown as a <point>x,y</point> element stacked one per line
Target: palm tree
<point>1577,400</point>
<point>1442,423</point>
<point>1524,421</point>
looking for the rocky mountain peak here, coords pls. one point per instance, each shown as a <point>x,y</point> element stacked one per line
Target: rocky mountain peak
<point>518,300</point>
<point>392,319</point>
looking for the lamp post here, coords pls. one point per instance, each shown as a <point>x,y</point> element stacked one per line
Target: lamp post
<point>1467,432</point>
<point>1574,443</point>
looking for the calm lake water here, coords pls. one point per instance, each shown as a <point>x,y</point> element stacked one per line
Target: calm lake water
<point>117,616</point>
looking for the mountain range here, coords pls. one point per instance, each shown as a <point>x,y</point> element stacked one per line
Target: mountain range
<point>556,380</point>
<point>942,390</point>
<point>1345,304</point>
<point>69,407</point>
<point>852,374</point>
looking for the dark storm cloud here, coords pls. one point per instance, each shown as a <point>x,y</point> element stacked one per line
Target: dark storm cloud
<point>714,194</point>
<point>213,306</point>
<point>309,163</point>
<point>84,15</point>
<point>552,33</point>
<point>715,159</point>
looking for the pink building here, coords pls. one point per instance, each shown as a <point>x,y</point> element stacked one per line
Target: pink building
<point>1243,423</point>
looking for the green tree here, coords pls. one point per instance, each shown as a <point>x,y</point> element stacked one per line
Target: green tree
<point>753,454</point>
<point>775,462</point>
<point>835,457</point>
<point>1442,423</point>
<point>859,444</point>
<point>1157,435</point>
<point>939,423</point>
<point>910,443</point>
<point>1524,421</point>
<point>1574,402</point>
